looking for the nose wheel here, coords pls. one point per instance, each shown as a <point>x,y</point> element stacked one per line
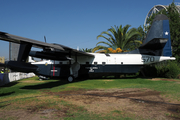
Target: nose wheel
<point>70,78</point>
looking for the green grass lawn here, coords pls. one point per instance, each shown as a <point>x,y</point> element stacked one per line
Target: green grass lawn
<point>33,85</point>
<point>25,90</point>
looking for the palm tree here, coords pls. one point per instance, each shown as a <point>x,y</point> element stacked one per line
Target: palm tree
<point>118,37</point>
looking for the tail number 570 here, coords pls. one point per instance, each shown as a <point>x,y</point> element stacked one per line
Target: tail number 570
<point>148,59</point>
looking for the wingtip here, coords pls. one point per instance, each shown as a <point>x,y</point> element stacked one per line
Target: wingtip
<point>2,33</point>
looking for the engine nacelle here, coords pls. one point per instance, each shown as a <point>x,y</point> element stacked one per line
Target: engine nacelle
<point>22,67</point>
<point>45,55</point>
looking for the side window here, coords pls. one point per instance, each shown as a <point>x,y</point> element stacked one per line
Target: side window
<point>95,63</point>
<point>103,63</point>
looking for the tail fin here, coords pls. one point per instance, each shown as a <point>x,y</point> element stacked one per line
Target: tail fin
<point>167,51</point>
<point>158,40</point>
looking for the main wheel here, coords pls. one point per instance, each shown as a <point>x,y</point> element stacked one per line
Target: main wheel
<point>70,78</point>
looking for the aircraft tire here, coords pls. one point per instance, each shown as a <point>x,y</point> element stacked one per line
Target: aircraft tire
<point>70,78</point>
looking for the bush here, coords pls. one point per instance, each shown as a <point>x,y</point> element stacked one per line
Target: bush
<point>168,69</point>
<point>173,70</point>
<point>161,68</point>
<point>165,69</point>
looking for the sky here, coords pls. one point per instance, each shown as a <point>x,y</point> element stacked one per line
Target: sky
<point>73,23</point>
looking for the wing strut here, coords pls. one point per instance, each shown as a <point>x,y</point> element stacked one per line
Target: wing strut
<point>24,52</point>
<point>20,65</point>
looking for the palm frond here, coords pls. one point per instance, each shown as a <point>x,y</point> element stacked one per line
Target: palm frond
<point>102,51</point>
<point>99,48</point>
<point>103,43</point>
<point>108,39</point>
<point>119,37</point>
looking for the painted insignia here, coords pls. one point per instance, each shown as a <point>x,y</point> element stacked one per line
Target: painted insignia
<point>166,33</point>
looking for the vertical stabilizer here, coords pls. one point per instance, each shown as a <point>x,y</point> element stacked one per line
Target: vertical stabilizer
<point>166,34</point>
<point>158,40</point>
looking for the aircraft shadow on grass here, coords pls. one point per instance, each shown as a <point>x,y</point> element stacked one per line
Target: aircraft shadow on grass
<point>6,94</point>
<point>9,84</point>
<point>63,82</point>
<point>48,85</point>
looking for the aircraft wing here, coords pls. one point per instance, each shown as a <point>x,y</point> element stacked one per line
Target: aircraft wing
<point>73,52</point>
<point>50,51</point>
<point>17,39</point>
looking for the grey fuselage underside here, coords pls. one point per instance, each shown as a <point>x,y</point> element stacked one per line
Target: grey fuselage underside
<point>86,69</point>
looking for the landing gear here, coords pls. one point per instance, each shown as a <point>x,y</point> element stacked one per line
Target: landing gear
<point>70,78</point>
<point>74,68</point>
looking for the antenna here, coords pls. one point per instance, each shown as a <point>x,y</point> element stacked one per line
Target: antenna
<point>45,39</point>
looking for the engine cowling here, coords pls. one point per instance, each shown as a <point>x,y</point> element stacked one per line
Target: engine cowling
<point>22,66</point>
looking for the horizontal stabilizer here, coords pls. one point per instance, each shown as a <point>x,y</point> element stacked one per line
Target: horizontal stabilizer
<point>155,44</point>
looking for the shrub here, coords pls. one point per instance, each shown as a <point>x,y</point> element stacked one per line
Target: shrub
<point>161,68</point>
<point>173,69</point>
<point>168,69</point>
<point>165,69</point>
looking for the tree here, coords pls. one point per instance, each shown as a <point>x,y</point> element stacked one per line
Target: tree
<point>139,38</point>
<point>143,34</point>
<point>86,50</point>
<point>119,39</point>
<point>175,30</point>
<point>174,20</point>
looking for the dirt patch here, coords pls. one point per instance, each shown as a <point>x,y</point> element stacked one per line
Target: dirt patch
<point>41,108</point>
<point>31,81</point>
<point>163,79</point>
<point>136,103</point>
<point>48,112</point>
<point>107,80</point>
<point>143,103</point>
<point>33,114</point>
